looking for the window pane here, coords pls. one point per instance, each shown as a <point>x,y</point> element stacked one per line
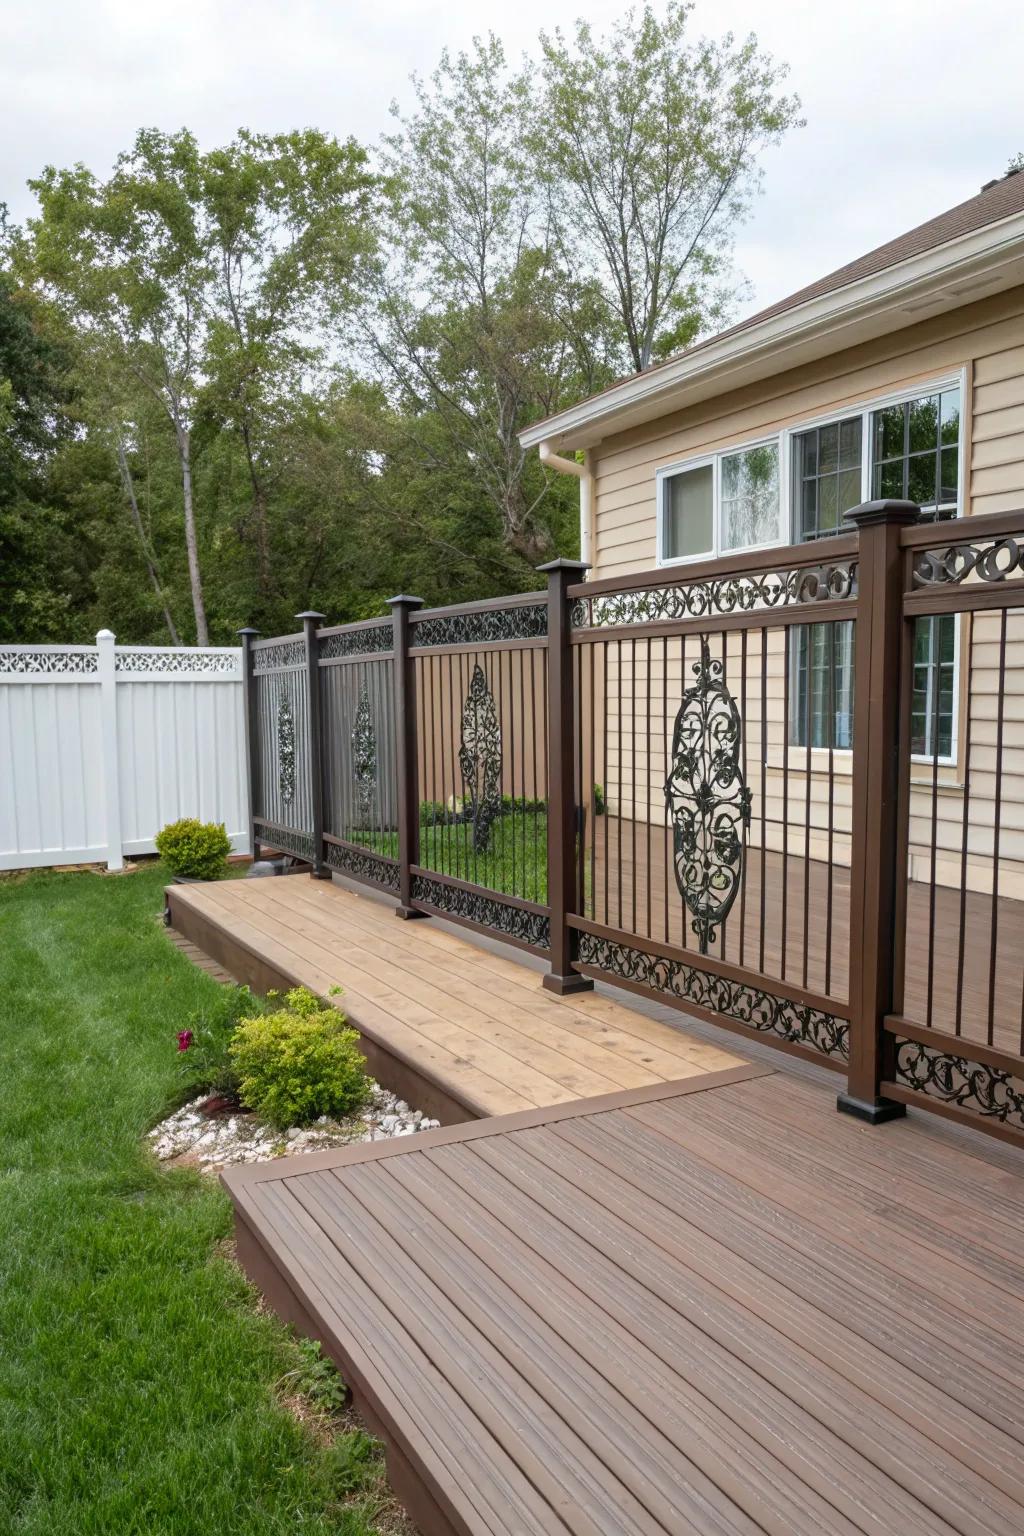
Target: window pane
<point>924,424</point>
<point>750,497</point>
<point>889,481</point>
<point>889,432</point>
<point>829,450</point>
<point>821,695</point>
<point>949,474</point>
<point>849,448</point>
<point>809,453</point>
<point>828,499</point>
<point>688,513</point>
<point>849,489</point>
<point>921,479</point>
<point>950,416</point>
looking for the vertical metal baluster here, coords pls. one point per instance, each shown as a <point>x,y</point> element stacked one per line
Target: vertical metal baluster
<point>935,698</point>
<point>592,905</point>
<point>607,808</point>
<point>632,768</point>
<point>666,833</point>
<point>764,787</point>
<point>743,769</point>
<point>647,786</point>
<point>682,689</point>
<point>535,736</point>
<point>831,797</point>
<point>996,829</point>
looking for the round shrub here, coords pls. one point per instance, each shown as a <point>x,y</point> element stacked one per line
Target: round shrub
<point>299,1062</point>
<point>196,849</point>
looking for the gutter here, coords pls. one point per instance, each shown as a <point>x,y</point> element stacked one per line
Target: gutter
<point>585,476</point>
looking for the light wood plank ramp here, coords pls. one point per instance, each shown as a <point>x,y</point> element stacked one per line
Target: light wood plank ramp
<point>713,1306</point>
<point>457,1029</point>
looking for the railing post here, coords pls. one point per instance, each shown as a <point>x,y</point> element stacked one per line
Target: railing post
<point>405,749</point>
<point>874,864</point>
<point>314,741</point>
<point>247,636</point>
<point>562,820</point>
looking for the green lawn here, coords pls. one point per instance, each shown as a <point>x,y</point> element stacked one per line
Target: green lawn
<point>515,860</point>
<point>140,1387</point>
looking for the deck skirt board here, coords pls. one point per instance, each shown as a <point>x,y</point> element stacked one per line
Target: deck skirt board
<point>599,1317</point>
<point>457,1029</point>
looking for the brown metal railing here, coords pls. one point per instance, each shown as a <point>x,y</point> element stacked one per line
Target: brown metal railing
<point>701,784</point>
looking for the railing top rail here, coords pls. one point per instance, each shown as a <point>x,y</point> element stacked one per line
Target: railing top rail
<point>821,552</point>
<point>354,627</point>
<point>953,530</point>
<point>485,605</point>
<point>272,640</point>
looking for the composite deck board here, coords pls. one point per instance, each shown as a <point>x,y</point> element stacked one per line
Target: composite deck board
<point>480,1024</point>
<point>687,1307</point>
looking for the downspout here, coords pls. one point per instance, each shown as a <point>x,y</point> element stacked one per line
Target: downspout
<point>585,476</point>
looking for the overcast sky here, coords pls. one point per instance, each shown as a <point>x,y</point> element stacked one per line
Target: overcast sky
<point>910,104</point>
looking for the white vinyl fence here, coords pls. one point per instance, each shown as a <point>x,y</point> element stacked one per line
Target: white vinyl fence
<point>102,745</point>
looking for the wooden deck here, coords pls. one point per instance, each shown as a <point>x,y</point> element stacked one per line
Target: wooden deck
<point>713,1306</point>
<point>457,1029</point>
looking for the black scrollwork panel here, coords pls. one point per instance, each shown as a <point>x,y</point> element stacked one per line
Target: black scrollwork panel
<point>278,654</point>
<point>720,595</point>
<point>997,560</point>
<point>377,639</point>
<point>526,622</point>
<point>363,866</point>
<point>364,759</point>
<point>532,928</point>
<point>480,758</point>
<point>286,750</point>
<point>796,1023</point>
<point>708,801</point>
<point>299,843</point>
<point>987,1091</point>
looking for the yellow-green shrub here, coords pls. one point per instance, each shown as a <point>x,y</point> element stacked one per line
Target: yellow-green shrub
<point>198,850</point>
<point>299,1062</point>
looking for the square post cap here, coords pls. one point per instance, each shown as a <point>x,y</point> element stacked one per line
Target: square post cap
<point>870,513</point>
<point>562,564</point>
<point>405,600</point>
<point>252,633</point>
<point>308,614</point>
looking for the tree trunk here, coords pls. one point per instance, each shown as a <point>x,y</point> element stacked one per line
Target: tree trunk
<point>191,544</point>
<point>147,555</point>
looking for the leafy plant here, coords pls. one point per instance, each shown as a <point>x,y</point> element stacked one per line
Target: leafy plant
<point>317,1378</point>
<point>600,803</point>
<point>299,1062</point>
<point>195,849</point>
<point>206,1061</point>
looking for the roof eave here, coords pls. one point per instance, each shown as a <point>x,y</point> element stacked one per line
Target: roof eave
<point>984,261</point>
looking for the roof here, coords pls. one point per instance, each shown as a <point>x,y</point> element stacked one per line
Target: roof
<point>997,202</point>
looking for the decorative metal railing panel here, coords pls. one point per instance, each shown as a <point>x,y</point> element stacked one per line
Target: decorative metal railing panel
<point>719,595</point>
<point>484,911</point>
<point>366,640</point>
<point>282,772</point>
<point>481,626</point>
<point>953,563</point>
<point>53,662</point>
<point>754,1007</point>
<point>361,864</point>
<point>360,801</point>
<point>958,1081</point>
<point>278,655</point>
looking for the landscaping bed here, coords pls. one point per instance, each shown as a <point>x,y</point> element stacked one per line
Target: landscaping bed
<point>143,1389</point>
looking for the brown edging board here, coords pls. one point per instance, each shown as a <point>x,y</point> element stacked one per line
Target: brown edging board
<point>419,1491</point>
<point>407,1078</point>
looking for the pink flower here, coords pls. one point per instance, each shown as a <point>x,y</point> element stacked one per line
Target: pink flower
<point>184,1039</point>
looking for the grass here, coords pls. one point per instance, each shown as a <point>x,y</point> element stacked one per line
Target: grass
<point>141,1388</point>
<point>515,860</point>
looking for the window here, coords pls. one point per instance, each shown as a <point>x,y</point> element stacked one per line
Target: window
<point>731,501</point>
<point>915,451</point>
<point>821,706</point>
<point>750,497</point>
<point>931,710</point>
<point>827,477</point>
<point>689,513</point>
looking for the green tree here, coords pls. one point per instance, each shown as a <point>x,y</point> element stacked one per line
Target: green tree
<point>649,146</point>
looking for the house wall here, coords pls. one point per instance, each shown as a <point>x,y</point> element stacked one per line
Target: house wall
<point>986,340</point>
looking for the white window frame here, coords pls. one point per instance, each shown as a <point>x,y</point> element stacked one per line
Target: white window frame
<point>864,407</point>
<point>701,461</point>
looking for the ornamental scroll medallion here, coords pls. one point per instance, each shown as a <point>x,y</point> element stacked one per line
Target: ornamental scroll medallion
<point>286,750</point>
<point>707,799</point>
<point>480,758</point>
<point>364,759</point>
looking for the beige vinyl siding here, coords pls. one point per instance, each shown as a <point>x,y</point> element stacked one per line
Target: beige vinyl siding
<point>986,340</point>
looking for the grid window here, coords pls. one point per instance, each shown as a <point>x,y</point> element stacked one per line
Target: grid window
<point>915,451</point>
<point>750,496</point>
<point>826,477</point>
<point>822,691</point>
<point>931,713</point>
